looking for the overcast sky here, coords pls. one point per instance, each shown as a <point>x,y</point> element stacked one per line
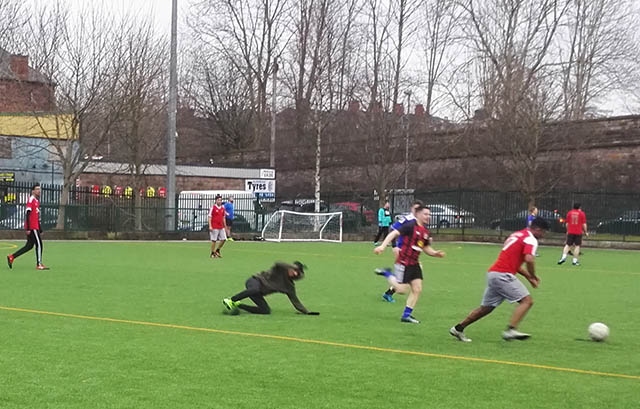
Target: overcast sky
<point>160,12</point>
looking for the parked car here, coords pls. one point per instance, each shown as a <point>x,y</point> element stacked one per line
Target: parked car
<point>240,225</point>
<point>15,214</point>
<point>369,215</point>
<point>519,221</point>
<point>628,223</point>
<point>447,215</point>
<point>302,205</point>
<point>352,220</point>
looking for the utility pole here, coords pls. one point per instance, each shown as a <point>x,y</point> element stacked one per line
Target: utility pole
<point>406,140</point>
<point>272,156</point>
<point>170,203</point>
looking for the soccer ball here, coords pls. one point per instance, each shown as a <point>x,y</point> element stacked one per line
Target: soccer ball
<point>598,331</point>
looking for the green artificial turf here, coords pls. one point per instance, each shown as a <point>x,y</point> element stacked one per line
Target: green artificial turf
<point>141,325</point>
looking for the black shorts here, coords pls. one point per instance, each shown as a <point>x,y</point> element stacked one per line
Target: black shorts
<point>574,239</point>
<point>229,222</point>
<point>412,272</point>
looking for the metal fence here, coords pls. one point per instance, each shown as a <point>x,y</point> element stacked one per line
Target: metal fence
<point>611,216</point>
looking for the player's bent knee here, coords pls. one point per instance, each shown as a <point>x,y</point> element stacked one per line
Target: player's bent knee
<point>527,301</point>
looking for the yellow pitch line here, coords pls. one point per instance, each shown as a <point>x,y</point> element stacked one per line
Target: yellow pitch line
<point>319,342</point>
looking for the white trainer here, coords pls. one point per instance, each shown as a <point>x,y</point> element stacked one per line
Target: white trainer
<point>459,334</point>
<point>511,334</point>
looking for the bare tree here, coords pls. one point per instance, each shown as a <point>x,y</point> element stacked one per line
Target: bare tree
<point>12,20</point>
<point>237,41</point>
<point>601,52</point>
<point>222,96</point>
<point>382,129</point>
<point>141,94</point>
<point>439,37</point>
<point>79,55</point>
<point>513,39</point>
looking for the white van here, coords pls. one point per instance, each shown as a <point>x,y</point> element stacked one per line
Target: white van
<point>194,206</point>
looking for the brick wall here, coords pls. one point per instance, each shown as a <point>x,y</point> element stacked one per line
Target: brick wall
<point>25,96</point>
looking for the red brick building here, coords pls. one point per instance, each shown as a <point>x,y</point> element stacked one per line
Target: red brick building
<point>22,88</point>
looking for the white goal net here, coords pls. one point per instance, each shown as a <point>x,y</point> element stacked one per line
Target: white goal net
<point>285,225</point>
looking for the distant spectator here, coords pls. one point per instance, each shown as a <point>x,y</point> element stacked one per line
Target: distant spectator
<point>384,221</point>
<point>229,208</point>
<point>533,212</point>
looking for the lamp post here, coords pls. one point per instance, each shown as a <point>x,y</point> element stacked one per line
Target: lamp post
<point>171,122</point>
<point>272,155</point>
<point>407,93</point>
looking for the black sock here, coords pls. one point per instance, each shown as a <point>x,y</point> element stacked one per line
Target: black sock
<point>510,327</point>
<point>459,328</point>
<point>390,291</point>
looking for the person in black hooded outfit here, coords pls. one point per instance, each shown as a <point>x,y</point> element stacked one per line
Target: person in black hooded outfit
<point>280,278</point>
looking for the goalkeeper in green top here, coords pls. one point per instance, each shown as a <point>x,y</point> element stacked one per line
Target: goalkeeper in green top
<point>384,221</point>
<point>280,278</point>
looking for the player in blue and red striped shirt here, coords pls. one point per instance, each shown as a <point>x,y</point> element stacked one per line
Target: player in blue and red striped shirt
<point>397,244</point>
<point>407,275</point>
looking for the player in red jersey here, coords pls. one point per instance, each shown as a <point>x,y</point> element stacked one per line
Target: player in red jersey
<point>32,228</point>
<point>502,283</point>
<point>217,227</point>
<point>576,227</point>
<point>407,276</point>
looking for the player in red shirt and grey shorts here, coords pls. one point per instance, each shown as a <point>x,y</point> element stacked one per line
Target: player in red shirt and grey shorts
<point>502,283</point>
<point>217,227</point>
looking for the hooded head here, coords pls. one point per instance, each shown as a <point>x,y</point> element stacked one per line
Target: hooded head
<point>300,269</point>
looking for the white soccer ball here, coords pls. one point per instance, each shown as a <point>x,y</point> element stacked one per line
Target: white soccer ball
<point>598,331</point>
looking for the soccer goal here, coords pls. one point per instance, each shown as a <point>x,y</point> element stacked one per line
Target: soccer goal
<point>285,225</point>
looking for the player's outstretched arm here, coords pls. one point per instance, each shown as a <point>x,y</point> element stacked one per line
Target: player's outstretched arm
<point>430,251</point>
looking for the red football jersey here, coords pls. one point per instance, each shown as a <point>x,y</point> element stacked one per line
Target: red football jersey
<point>217,214</point>
<point>33,204</point>
<point>415,238</point>
<point>575,219</point>
<point>515,248</point>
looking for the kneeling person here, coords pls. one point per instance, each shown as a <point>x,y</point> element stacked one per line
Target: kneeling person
<point>279,279</point>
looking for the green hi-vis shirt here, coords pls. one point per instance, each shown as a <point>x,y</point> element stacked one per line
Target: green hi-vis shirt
<point>384,217</point>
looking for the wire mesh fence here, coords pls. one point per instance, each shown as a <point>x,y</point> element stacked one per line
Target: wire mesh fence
<point>466,213</point>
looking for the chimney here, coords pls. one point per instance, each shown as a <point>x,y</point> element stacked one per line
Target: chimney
<point>19,65</point>
<point>398,109</point>
<point>354,106</point>
<point>419,111</point>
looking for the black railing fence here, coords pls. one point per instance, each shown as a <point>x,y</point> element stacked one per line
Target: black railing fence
<point>614,216</point>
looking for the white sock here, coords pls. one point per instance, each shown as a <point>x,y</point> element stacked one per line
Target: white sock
<point>575,260</point>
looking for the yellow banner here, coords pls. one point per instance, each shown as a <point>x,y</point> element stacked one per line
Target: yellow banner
<point>39,126</point>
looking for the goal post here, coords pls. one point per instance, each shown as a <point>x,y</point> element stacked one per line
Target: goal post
<point>285,225</point>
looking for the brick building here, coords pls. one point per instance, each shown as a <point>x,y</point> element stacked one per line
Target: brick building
<point>22,88</point>
<point>27,121</point>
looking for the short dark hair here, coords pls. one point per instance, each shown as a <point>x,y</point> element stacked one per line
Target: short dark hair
<point>540,223</point>
<point>218,197</point>
<point>417,202</point>
<point>577,205</point>
<point>35,186</point>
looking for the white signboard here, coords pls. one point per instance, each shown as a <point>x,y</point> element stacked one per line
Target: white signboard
<point>265,189</point>
<point>267,174</point>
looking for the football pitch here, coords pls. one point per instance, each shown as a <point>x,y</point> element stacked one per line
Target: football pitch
<point>141,325</point>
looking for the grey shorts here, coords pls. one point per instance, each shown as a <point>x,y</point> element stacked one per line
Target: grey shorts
<point>217,235</point>
<point>502,286</point>
<point>406,274</point>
